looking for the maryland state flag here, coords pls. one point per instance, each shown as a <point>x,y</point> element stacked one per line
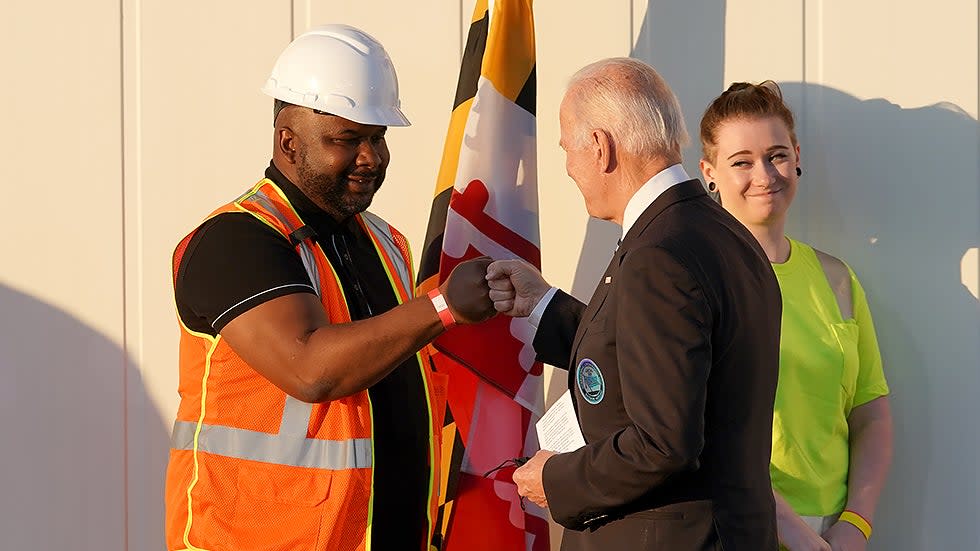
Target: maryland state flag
<point>486,203</point>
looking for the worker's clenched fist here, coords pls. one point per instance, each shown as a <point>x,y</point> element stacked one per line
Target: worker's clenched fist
<point>467,292</point>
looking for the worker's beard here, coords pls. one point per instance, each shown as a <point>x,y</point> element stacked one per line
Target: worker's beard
<point>342,195</point>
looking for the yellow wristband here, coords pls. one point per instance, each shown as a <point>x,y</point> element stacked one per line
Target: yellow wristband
<point>858,521</point>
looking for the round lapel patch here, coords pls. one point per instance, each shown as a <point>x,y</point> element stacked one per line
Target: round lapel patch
<point>590,383</point>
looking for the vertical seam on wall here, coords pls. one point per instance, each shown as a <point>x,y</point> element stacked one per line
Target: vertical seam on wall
<point>634,40</point>
<point>804,121</point>
<point>125,318</point>
<point>803,35</point>
<point>130,127</point>
<point>803,75</point>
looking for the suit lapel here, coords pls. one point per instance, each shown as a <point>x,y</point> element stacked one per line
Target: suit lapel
<point>595,304</point>
<point>676,193</point>
<point>598,298</point>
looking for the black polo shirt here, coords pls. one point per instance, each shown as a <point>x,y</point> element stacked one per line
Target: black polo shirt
<point>235,262</point>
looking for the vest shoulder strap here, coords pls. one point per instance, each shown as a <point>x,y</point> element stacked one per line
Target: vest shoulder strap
<point>839,278</point>
<point>395,248</point>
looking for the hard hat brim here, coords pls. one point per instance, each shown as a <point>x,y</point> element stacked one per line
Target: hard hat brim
<point>386,116</point>
<point>379,116</point>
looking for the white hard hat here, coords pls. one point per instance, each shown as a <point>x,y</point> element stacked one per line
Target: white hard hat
<point>339,70</point>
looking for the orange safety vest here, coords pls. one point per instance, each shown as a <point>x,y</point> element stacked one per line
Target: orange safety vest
<point>254,468</point>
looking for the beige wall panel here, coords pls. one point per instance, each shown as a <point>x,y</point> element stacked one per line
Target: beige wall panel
<point>63,145</point>
<point>763,41</point>
<point>198,133</point>
<point>921,53</point>
<point>61,303</point>
<point>890,143</point>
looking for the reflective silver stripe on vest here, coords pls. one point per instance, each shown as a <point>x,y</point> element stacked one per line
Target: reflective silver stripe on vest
<point>305,250</point>
<point>280,449</point>
<point>295,417</point>
<point>382,231</point>
<point>309,262</point>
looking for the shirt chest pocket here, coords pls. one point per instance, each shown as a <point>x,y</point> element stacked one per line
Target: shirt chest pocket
<point>846,334</point>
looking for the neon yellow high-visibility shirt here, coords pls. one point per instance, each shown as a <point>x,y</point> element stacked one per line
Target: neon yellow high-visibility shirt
<point>827,366</point>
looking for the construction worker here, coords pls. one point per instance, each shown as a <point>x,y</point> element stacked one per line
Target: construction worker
<point>309,416</point>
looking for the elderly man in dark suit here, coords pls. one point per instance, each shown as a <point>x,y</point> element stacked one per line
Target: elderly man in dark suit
<point>673,363</point>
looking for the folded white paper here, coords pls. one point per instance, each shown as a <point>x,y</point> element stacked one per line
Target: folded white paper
<point>558,429</point>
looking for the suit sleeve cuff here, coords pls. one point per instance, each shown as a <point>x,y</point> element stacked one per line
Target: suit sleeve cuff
<point>561,493</point>
<point>535,318</point>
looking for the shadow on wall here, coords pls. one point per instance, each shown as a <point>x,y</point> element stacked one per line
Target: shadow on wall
<point>62,414</point>
<point>896,193</point>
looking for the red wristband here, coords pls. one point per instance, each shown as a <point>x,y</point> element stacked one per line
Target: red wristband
<point>442,308</point>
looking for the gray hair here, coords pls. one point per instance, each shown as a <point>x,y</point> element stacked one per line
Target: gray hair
<point>631,101</point>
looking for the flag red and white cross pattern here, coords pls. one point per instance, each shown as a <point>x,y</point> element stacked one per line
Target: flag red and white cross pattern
<point>486,203</point>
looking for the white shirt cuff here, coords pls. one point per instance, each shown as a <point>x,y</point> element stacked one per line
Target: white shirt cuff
<point>535,318</point>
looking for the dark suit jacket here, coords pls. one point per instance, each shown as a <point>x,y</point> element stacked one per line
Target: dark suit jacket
<point>673,367</point>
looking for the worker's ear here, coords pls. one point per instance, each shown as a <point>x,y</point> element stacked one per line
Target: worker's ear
<point>287,143</point>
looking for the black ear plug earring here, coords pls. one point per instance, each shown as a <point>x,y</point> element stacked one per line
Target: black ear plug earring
<point>799,172</point>
<point>712,186</point>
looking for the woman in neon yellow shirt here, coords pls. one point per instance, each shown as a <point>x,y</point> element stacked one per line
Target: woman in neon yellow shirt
<point>832,426</point>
